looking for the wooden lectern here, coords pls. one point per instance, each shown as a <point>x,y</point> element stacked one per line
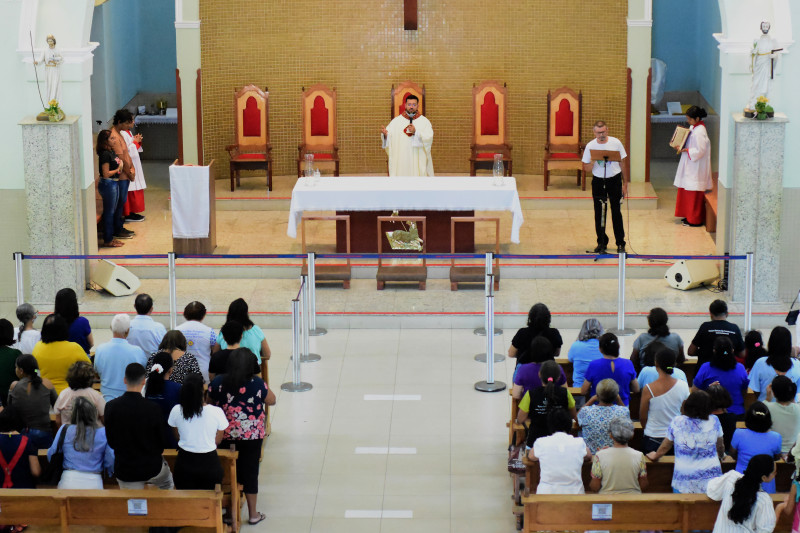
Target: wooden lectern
<point>192,197</point>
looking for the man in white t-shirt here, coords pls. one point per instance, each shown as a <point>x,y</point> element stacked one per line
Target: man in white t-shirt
<point>609,184</point>
<point>201,340</point>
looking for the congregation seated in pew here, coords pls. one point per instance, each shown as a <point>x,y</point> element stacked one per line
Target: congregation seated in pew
<point>541,400</point>
<point>538,325</point>
<point>618,469</point>
<point>661,401</point>
<point>561,456</point>
<point>725,370</point>
<point>657,332</point>
<point>596,416</point>
<point>611,366</point>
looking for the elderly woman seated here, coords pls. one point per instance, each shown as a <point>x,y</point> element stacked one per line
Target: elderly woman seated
<point>595,417</point>
<point>619,469</point>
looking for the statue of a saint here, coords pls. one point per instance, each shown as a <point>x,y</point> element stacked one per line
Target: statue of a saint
<point>763,59</point>
<point>52,67</point>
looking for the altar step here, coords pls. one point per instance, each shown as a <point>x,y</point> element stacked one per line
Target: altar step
<point>222,269</point>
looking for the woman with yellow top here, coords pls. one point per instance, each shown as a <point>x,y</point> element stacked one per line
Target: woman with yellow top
<point>55,354</point>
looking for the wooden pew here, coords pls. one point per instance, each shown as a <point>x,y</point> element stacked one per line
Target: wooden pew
<point>66,508</point>
<point>629,512</point>
<point>659,475</point>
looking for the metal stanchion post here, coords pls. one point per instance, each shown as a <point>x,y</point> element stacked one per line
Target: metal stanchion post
<point>313,330</point>
<point>490,385</point>
<point>748,292</point>
<point>20,278</point>
<point>296,385</point>
<point>488,286</point>
<point>488,310</point>
<point>306,357</point>
<point>621,330</point>
<point>173,292</point>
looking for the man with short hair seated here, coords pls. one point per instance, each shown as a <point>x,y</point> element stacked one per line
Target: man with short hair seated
<point>114,356</point>
<point>145,332</point>
<point>134,432</point>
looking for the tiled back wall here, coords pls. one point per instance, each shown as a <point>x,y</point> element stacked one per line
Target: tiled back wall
<point>360,47</point>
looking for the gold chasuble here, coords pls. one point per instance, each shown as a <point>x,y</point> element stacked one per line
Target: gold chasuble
<point>409,154</point>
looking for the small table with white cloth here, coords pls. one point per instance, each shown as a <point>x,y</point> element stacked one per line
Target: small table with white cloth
<point>372,196</point>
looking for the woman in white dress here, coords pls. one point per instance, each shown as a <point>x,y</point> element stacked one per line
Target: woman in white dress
<point>693,178</point>
<point>135,204</point>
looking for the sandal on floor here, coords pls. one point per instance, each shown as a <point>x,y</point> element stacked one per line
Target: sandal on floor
<point>257,519</point>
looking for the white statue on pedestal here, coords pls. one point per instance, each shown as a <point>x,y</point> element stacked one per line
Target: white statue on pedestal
<point>763,58</point>
<point>52,60</point>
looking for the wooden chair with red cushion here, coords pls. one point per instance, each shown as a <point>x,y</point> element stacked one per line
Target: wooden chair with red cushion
<point>564,149</point>
<point>489,126</point>
<point>318,104</point>
<point>399,95</point>
<point>252,150</point>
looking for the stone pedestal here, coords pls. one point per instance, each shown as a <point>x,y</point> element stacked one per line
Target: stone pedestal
<point>756,203</point>
<point>53,179</point>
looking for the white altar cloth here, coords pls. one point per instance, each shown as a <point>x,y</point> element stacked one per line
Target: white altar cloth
<point>377,193</point>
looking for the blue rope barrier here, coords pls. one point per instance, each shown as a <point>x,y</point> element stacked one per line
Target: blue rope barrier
<point>392,256</point>
<point>138,256</point>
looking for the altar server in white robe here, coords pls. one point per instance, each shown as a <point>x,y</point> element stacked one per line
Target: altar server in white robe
<point>407,140</point>
<point>693,178</point>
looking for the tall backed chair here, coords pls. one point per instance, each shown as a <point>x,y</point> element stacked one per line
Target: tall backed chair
<point>318,104</point>
<point>252,150</point>
<point>563,148</point>
<point>489,126</point>
<point>403,91</point>
<point>329,272</point>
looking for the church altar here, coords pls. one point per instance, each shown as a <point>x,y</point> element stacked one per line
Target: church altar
<point>457,194</point>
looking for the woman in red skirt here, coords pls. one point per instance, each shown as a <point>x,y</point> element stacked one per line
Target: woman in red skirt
<point>693,178</point>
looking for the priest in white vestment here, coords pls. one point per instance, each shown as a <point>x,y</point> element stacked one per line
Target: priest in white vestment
<point>407,140</point>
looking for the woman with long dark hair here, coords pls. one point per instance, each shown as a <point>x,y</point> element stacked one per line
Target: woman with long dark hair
<point>166,393</point>
<point>661,401</point>
<point>753,349</point>
<point>745,506</point>
<point>32,398</point>
<point>723,369</point>
<point>252,338</point>
<point>111,168</point>
<point>539,401</point>
<point>86,450</point>
<point>242,396</point>
<point>779,359</point>
<point>538,324</point>
<point>199,429</point>
<point>80,331</point>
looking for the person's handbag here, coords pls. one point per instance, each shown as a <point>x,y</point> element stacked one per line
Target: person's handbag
<point>791,316</point>
<point>55,467</point>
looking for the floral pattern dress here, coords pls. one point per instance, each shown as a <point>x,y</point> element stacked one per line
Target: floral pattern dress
<point>696,459</point>
<point>244,409</point>
<point>594,422</point>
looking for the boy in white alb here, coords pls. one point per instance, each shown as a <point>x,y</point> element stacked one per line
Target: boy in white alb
<point>609,183</point>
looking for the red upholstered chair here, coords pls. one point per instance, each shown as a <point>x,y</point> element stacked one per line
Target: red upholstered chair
<point>564,149</point>
<point>489,126</point>
<point>403,91</point>
<point>318,104</point>
<point>252,150</point>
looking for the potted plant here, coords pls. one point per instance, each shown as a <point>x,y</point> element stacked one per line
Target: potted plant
<point>763,109</point>
<point>54,113</point>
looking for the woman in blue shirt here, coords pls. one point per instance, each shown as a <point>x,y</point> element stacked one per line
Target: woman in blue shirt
<point>86,451</point>
<point>779,360</point>
<point>611,366</point>
<point>585,350</point>
<point>756,439</point>
<point>723,369</point>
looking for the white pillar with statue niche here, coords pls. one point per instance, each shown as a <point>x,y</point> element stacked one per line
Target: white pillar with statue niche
<point>53,184</point>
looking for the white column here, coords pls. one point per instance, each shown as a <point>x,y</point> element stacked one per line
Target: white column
<point>187,36</point>
<point>640,24</point>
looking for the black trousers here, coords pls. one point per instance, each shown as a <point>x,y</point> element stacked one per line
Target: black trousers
<point>197,471</point>
<point>610,189</point>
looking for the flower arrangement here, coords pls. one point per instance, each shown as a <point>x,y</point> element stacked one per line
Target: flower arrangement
<point>53,112</point>
<point>763,109</point>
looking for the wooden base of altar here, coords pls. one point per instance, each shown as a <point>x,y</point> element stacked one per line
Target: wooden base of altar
<point>364,238</point>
